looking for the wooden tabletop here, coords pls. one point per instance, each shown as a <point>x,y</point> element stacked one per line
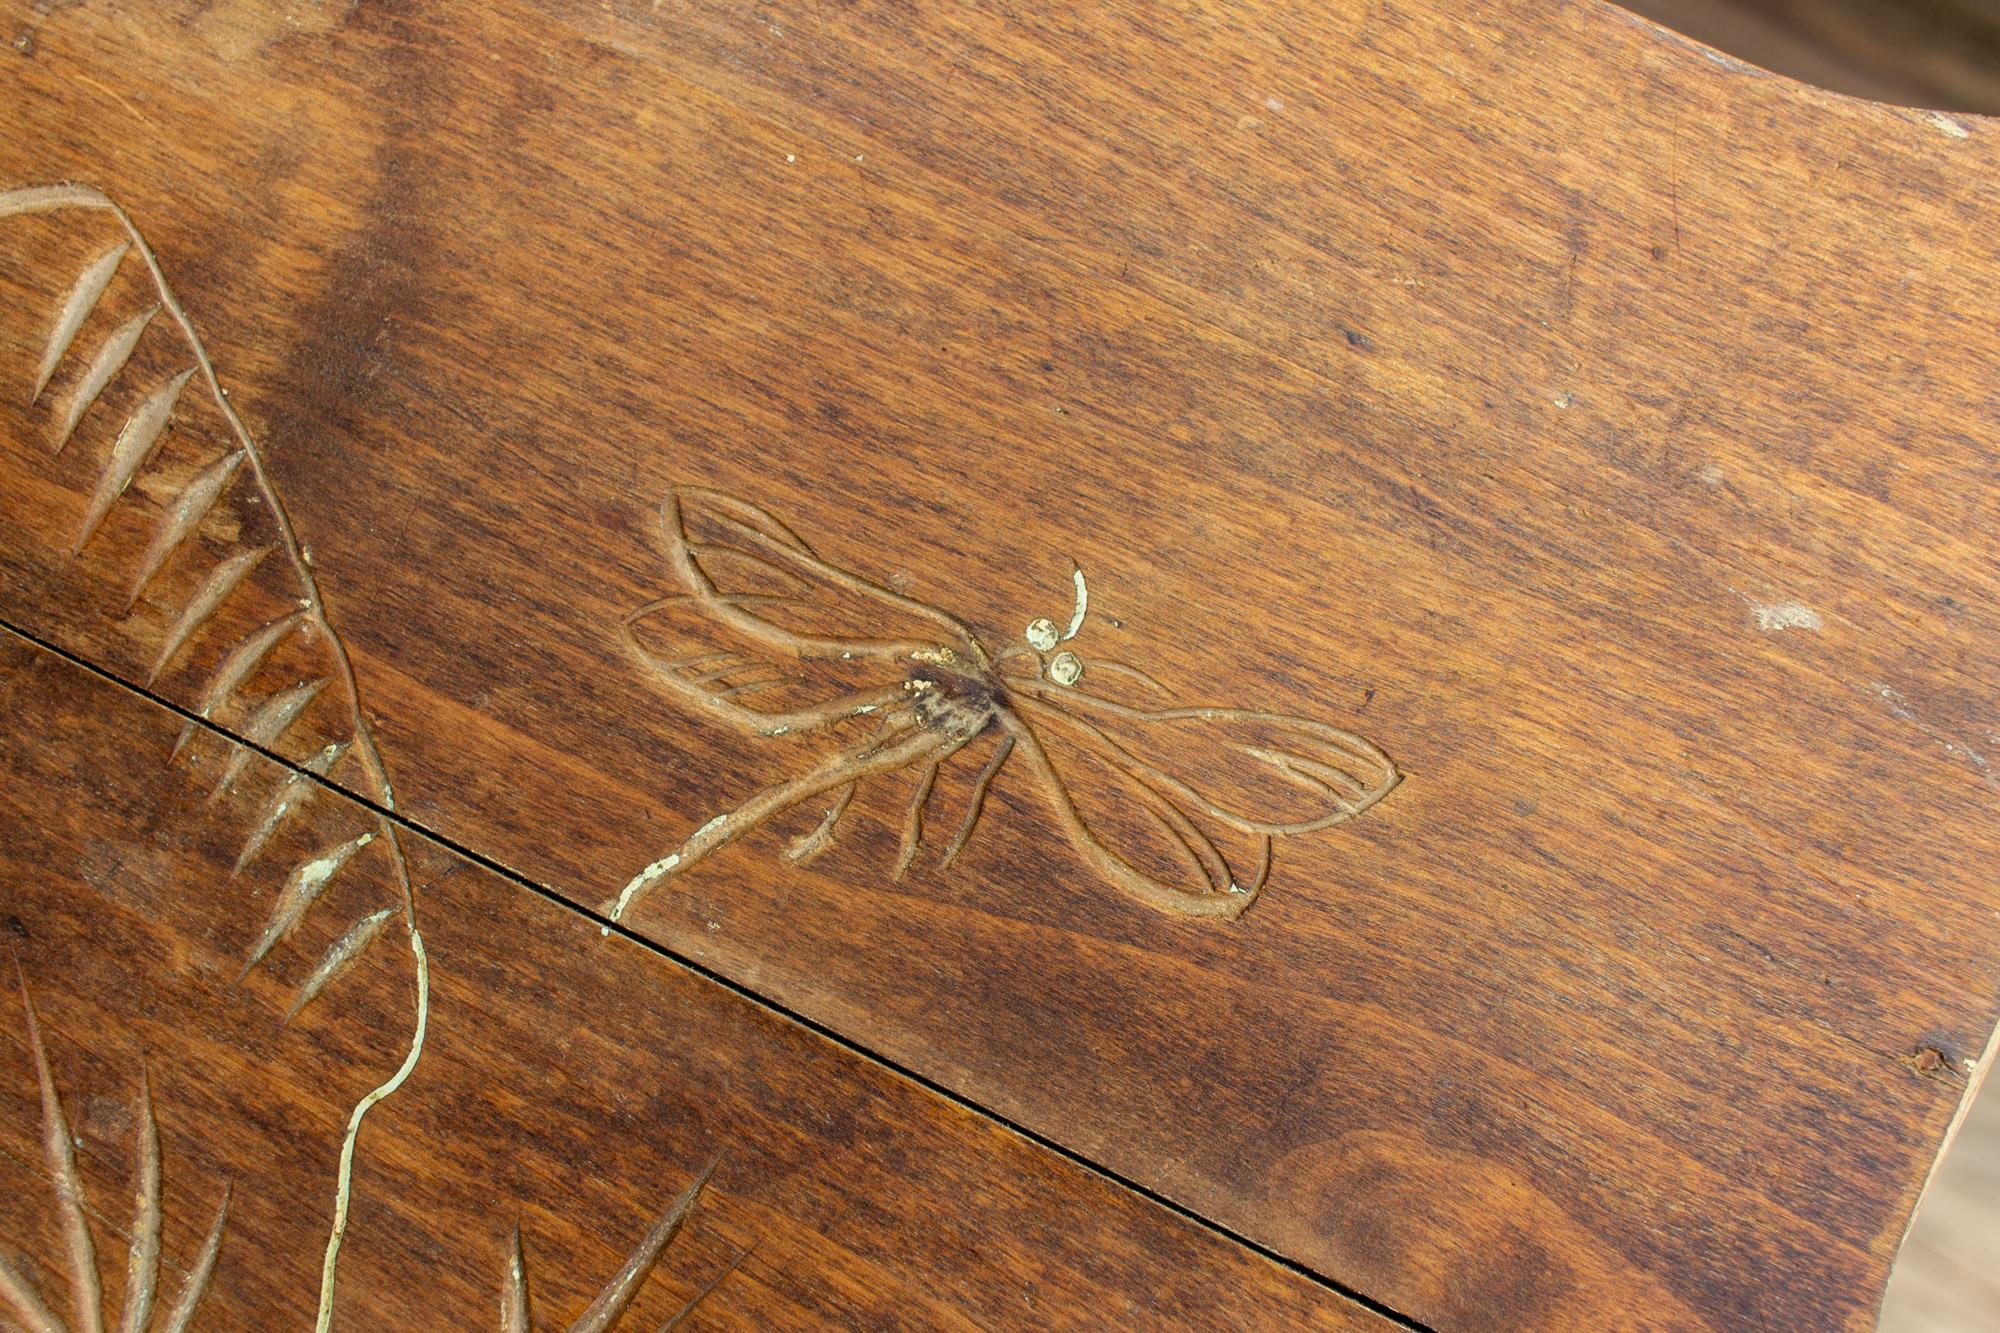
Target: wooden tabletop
<point>1218,666</point>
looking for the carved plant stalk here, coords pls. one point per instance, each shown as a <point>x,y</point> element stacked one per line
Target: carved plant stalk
<point>268,721</point>
<point>140,1308</point>
<point>605,1312</point>
<point>142,1265</point>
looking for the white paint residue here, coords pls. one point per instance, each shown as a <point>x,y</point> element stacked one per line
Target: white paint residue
<point>1082,601</point>
<point>1954,128</point>
<point>640,881</point>
<point>314,874</point>
<point>1784,615</point>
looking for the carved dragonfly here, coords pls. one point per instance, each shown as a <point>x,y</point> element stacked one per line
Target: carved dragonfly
<point>774,641</point>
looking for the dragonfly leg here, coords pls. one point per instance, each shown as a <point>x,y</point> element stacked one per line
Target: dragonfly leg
<point>901,744</point>
<point>913,821</point>
<point>808,845</point>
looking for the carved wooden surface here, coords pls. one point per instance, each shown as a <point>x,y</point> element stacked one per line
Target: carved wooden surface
<point>571,1081</point>
<point>1601,429</point>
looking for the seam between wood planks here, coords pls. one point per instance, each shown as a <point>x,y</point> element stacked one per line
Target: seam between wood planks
<point>768,1005</point>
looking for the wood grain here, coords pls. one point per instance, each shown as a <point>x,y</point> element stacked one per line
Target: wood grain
<point>570,1080</point>
<point>1601,427</point>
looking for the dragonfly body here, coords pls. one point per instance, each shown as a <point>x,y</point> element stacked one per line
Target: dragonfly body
<point>953,696</point>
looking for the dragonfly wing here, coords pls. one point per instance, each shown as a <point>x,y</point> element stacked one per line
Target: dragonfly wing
<point>755,574</point>
<point>710,665</point>
<point>1179,806</point>
<point>767,636</point>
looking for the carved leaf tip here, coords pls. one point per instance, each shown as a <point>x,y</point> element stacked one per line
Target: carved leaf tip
<point>142,1259</point>
<point>341,956</point>
<point>134,445</point>
<point>288,798</point>
<point>694,1301</point>
<point>222,581</point>
<point>195,1288</point>
<point>112,354</point>
<point>241,663</point>
<point>302,889</point>
<point>611,1303</point>
<point>143,1255</point>
<point>266,724</point>
<point>60,1151</point>
<point>514,1316</point>
<point>76,307</point>
<point>183,517</point>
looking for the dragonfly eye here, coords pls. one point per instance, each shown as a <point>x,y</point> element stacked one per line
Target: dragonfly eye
<point>1065,668</point>
<point>1042,634</point>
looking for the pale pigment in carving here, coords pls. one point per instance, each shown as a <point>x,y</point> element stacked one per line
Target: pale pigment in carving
<point>302,889</point>
<point>290,796</point>
<point>932,688</point>
<point>339,957</point>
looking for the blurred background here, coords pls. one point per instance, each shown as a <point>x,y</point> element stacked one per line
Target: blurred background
<point>1948,1278</point>
<point>1940,54</point>
<point>1943,55</point>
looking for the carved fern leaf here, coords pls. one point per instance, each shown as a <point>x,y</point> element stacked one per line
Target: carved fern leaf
<point>186,530</point>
